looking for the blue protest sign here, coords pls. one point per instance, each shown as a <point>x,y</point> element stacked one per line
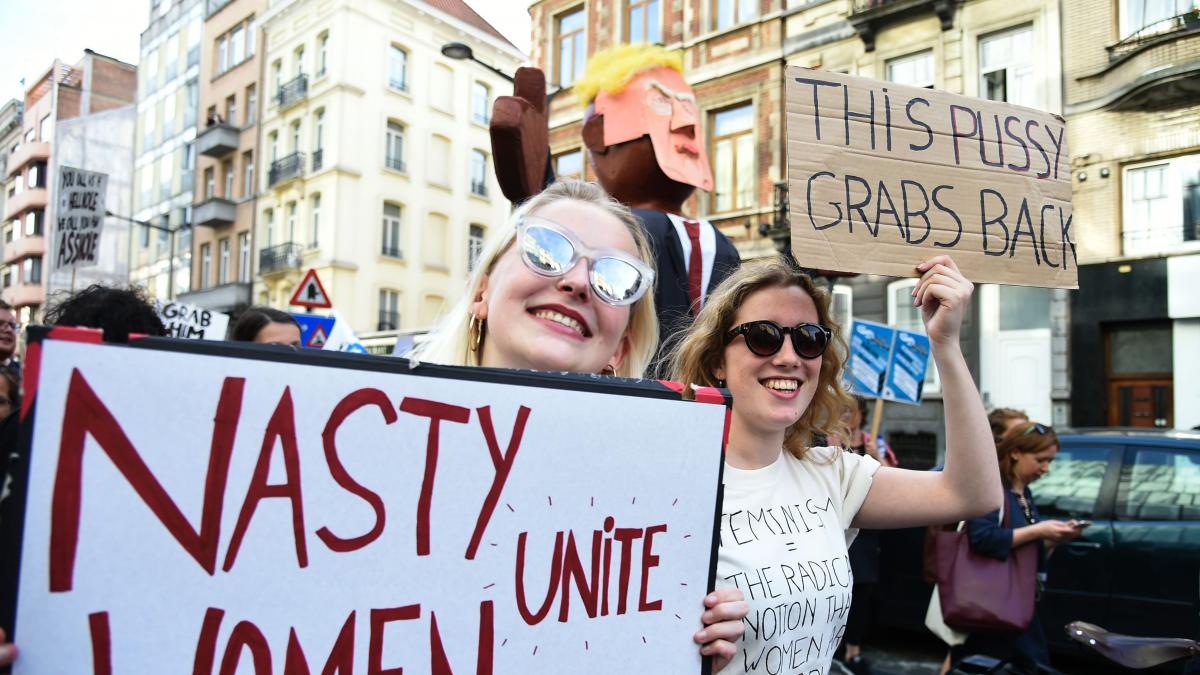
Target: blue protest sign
<point>906,372</point>
<point>870,350</point>
<point>314,330</point>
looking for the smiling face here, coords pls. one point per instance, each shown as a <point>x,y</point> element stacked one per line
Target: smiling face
<point>555,323</point>
<point>770,393</point>
<point>8,334</point>
<point>1030,466</point>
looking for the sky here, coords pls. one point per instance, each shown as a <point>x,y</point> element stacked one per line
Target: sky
<point>63,28</point>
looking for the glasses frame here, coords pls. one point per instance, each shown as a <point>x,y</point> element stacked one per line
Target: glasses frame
<point>580,251</point>
<point>1036,426</point>
<point>745,328</point>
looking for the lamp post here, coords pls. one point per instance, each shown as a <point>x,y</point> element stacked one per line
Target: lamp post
<point>171,253</point>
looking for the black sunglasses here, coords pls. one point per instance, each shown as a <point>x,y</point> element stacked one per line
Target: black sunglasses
<point>765,338</point>
<point>1042,429</point>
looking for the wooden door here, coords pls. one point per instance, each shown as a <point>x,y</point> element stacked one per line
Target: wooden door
<point>1141,403</point>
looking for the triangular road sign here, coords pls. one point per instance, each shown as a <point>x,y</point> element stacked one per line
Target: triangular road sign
<point>318,338</point>
<point>310,293</point>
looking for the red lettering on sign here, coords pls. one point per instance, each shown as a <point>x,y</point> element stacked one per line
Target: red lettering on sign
<point>573,569</point>
<point>246,635</point>
<point>555,572</point>
<point>379,619</point>
<point>206,645</point>
<point>345,408</point>
<point>436,412</point>
<point>503,464</point>
<point>649,560</point>
<point>101,643</point>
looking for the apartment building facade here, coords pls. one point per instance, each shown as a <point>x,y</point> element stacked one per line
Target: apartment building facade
<point>95,85</point>
<point>375,165</point>
<point>11,116</point>
<point>226,149</point>
<point>1132,72</point>
<point>735,55</point>
<point>164,159</point>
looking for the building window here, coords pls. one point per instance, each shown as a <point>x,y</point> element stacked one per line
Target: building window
<point>193,43</point>
<point>244,257</point>
<point>250,37</point>
<point>389,310</point>
<point>397,68</point>
<point>481,103</point>
<point>1162,205</point>
<point>205,264</point>
<point>227,172</point>
<point>643,21</point>
<point>1006,71</point>
<point>841,306</point>
<point>193,98</point>
<point>569,164</point>
<point>570,46</point>
<point>291,222</point>
<point>478,173</point>
<point>223,262</point>
<point>1154,15</point>
<point>251,104</point>
<point>166,175</point>
<point>169,115</point>
<point>222,54</point>
<point>903,315</point>
<point>322,53</point>
<point>442,94</point>
<point>439,163</point>
<point>34,222</point>
<point>248,187</point>
<point>298,58</point>
<point>31,271</point>
<point>172,57</point>
<point>231,110</point>
<point>273,145</point>
<point>391,231</point>
<point>474,245</point>
<point>729,13</point>
<point>394,146</point>
<point>915,70</point>
<point>269,220</point>
<point>237,46</point>
<point>276,75</point>
<point>315,214</point>
<point>733,158</point>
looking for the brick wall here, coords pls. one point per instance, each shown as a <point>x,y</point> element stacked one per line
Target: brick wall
<point>114,85</point>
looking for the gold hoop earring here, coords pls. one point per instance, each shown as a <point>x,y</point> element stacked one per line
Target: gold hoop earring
<point>475,333</point>
<point>609,370</point>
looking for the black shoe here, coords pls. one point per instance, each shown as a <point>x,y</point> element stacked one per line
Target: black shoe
<point>859,666</point>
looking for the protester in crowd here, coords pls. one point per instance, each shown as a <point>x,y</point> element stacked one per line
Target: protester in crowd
<point>531,304</point>
<point>118,312</point>
<point>764,333</point>
<point>9,330</point>
<point>267,326</point>
<point>1025,453</point>
<point>1004,419</point>
<point>10,392</point>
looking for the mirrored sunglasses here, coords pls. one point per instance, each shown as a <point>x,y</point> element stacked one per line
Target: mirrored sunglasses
<point>551,250</point>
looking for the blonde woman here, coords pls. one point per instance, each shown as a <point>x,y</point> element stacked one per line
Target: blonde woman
<point>790,509</point>
<point>532,304</point>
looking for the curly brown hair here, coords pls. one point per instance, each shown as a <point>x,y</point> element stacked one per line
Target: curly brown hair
<point>697,356</point>
<point>1031,437</point>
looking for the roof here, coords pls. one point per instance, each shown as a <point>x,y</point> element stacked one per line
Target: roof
<point>463,12</point>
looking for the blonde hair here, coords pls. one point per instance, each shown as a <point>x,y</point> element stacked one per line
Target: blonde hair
<point>451,340</point>
<point>696,358</point>
<point>610,70</point>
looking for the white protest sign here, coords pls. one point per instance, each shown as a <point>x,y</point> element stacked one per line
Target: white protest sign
<point>189,507</point>
<point>192,322</point>
<point>80,220</point>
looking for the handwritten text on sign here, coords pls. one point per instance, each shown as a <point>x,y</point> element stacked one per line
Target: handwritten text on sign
<point>81,212</point>
<point>210,514</point>
<point>882,175</point>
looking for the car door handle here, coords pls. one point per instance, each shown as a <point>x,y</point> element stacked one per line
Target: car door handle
<point>1084,544</point>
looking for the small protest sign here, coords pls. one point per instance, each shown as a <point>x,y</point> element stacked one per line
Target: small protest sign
<point>192,504</point>
<point>887,363</point>
<point>80,219</point>
<point>906,368</point>
<point>192,322</point>
<point>882,175</point>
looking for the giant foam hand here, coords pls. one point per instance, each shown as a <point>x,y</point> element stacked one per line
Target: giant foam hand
<point>521,136</point>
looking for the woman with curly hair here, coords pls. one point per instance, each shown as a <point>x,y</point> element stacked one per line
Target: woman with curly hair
<point>790,510</point>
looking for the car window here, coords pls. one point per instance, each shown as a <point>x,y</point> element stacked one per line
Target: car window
<point>1073,484</point>
<point>1160,484</point>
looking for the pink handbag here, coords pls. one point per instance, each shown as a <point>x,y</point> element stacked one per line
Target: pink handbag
<point>980,594</point>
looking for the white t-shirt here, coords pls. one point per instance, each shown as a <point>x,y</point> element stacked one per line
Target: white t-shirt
<point>785,529</point>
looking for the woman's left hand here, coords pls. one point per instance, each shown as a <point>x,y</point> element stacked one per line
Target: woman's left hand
<point>725,609</point>
<point>943,294</point>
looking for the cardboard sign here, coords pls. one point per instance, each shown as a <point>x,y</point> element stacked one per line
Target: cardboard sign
<point>882,176</point>
<point>80,220</point>
<point>191,321</point>
<point>192,504</point>
<point>311,293</point>
<point>887,363</point>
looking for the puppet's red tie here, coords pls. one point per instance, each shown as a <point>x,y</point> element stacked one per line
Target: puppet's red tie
<point>695,266</point>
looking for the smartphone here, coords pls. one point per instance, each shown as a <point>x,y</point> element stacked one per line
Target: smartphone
<point>1082,524</point>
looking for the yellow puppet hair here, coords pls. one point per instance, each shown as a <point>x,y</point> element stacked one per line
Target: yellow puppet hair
<point>610,70</point>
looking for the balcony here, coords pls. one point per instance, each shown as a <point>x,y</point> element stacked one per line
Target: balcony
<point>221,298</point>
<point>25,295</point>
<point>318,159</point>
<point>30,198</point>
<point>394,163</point>
<point>285,169</point>
<point>214,212</point>
<point>388,320</point>
<point>217,140</point>
<point>292,92</point>
<point>1156,68</point>
<point>479,187</point>
<point>25,247</point>
<point>280,258</point>
<point>27,153</point>
<point>868,17</point>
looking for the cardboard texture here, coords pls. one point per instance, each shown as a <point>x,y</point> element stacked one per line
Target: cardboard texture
<point>81,212</point>
<point>320,509</point>
<point>882,175</point>
<point>192,322</point>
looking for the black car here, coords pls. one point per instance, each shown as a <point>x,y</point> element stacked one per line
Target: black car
<point>1136,570</point>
